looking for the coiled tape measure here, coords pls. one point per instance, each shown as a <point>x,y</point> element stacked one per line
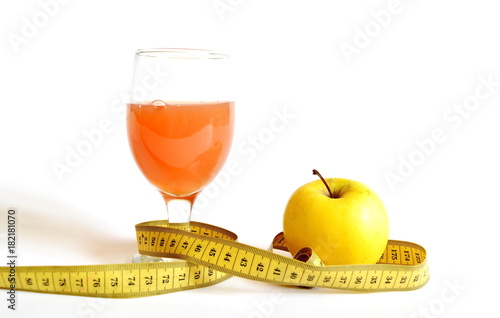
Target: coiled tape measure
<point>209,255</point>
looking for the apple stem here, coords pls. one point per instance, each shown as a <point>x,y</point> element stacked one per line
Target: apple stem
<point>324,181</point>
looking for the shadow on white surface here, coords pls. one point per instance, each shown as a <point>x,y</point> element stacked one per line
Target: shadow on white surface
<point>54,232</point>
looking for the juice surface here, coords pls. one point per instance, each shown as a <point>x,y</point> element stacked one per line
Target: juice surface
<point>180,146</point>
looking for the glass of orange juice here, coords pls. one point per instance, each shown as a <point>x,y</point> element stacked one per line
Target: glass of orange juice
<point>180,123</point>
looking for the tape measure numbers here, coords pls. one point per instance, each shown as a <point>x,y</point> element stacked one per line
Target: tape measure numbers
<point>209,255</point>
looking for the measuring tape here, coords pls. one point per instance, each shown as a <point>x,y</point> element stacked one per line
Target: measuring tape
<point>209,255</point>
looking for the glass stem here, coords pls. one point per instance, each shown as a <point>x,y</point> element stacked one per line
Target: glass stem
<point>179,210</point>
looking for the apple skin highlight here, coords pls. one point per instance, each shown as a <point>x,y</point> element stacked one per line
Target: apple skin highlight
<point>350,228</point>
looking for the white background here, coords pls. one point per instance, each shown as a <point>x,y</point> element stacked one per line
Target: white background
<point>357,113</point>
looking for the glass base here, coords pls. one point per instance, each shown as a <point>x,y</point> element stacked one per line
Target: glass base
<point>139,258</point>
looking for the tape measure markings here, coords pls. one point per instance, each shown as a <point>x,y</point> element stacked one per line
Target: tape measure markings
<point>260,271</point>
<point>263,265</point>
<point>211,255</point>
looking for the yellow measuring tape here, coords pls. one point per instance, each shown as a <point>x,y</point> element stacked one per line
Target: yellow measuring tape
<point>209,255</point>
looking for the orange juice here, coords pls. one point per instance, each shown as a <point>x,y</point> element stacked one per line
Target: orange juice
<point>180,146</point>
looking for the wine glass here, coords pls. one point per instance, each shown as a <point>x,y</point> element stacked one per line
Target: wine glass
<point>180,123</point>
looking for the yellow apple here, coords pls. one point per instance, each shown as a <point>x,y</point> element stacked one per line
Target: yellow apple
<point>342,220</point>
